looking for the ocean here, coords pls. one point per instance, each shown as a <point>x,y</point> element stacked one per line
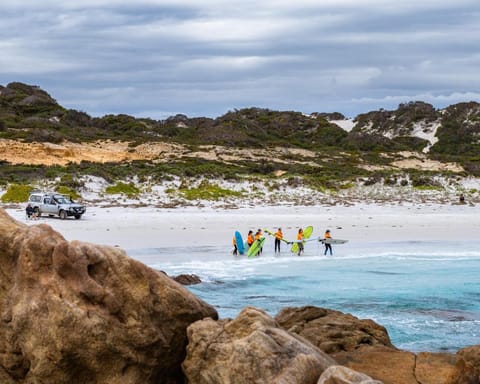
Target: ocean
<point>426,293</point>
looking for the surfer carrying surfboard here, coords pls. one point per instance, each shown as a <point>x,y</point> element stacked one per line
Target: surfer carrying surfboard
<point>278,238</point>
<point>235,249</point>
<point>250,238</point>
<point>300,241</point>
<point>258,236</point>
<point>328,246</point>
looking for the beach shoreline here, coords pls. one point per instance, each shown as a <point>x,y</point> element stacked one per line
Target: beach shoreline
<point>150,227</point>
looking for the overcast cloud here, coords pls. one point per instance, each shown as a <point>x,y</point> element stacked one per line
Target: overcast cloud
<point>154,58</point>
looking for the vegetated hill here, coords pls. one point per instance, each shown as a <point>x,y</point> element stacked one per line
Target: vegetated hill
<point>30,114</point>
<point>413,124</point>
<point>27,112</point>
<point>258,127</point>
<point>451,134</point>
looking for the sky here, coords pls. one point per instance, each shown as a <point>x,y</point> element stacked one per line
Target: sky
<point>157,58</point>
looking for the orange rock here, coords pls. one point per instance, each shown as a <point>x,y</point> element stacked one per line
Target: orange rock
<point>75,312</point>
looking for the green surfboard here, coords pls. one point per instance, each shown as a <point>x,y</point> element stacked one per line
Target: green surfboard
<point>307,232</point>
<point>273,234</point>
<point>256,246</point>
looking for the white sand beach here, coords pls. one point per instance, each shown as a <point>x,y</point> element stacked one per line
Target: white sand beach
<point>146,227</point>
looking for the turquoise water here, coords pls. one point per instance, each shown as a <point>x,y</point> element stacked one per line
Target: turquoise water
<point>427,294</point>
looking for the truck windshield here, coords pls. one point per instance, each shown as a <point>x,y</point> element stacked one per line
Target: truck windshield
<point>61,200</point>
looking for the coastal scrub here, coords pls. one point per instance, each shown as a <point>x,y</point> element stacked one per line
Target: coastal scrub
<point>16,193</point>
<point>207,191</point>
<point>122,188</point>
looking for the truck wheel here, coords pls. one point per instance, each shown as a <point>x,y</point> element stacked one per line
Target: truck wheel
<point>37,212</point>
<point>78,216</point>
<point>63,215</point>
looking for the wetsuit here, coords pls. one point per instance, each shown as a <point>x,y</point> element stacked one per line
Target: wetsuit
<point>258,236</point>
<point>328,247</point>
<point>250,239</point>
<point>300,243</point>
<point>278,238</point>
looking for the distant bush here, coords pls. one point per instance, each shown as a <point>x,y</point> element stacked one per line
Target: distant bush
<point>17,193</point>
<point>346,186</point>
<point>68,180</point>
<point>121,188</point>
<point>372,180</point>
<point>391,181</point>
<point>428,188</point>
<point>66,191</point>
<point>207,191</point>
<point>424,182</point>
<point>411,143</point>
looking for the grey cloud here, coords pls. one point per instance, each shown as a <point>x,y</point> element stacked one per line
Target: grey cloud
<point>204,58</point>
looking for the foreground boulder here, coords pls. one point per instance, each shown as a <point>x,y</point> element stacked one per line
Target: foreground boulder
<point>393,366</point>
<point>74,312</point>
<point>467,370</point>
<point>365,346</point>
<point>332,331</point>
<point>342,375</point>
<point>250,349</point>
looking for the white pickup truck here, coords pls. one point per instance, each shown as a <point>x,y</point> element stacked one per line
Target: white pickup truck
<point>54,204</point>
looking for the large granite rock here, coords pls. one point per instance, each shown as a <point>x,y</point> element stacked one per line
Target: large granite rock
<point>332,331</point>
<point>364,346</point>
<point>73,312</point>
<point>250,349</point>
<point>342,375</point>
<point>393,366</point>
<point>467,370</point>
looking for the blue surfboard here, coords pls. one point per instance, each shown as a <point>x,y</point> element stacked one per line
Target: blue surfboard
<point>240,246</point>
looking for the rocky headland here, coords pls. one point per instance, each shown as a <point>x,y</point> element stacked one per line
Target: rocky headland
<point>75,312</point>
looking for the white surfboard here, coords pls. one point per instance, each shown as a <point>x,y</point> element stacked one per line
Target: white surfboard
<point>333,241</point>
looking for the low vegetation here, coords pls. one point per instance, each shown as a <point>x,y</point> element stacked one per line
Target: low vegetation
<point>207,191</point>
<point>67,191</point>
<point>16,193</point>
<point>130,190</point>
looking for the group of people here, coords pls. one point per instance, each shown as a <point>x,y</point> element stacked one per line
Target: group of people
<point>279,238</point>
<point>250,240</point>
<point>300,236</point>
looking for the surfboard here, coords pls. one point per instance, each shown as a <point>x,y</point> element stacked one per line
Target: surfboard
<point>333,241</point>
<point>239,240</point>
<point>273,234</point>
<point>256,246</point>
<point>307,232</point>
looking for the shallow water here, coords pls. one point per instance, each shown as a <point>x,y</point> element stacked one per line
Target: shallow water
<point>427,294</point>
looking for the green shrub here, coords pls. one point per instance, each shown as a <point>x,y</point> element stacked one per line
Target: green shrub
<point>420,181</point>
<point>427,188</point>
<point>17,193</point>
<point>207,191</point>
<point>121,188</point>
<point>391,181</point>
<point>66,191</point>
<point>346,186</point>
<point>68,180</point>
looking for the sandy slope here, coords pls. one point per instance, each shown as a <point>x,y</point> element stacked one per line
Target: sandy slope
<point>17,152</point>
